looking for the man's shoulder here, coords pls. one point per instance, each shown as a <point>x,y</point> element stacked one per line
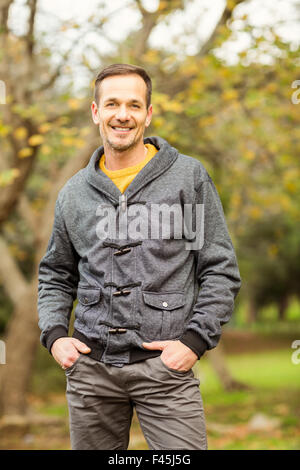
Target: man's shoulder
<point>193,167</point>
<point>72,185</point>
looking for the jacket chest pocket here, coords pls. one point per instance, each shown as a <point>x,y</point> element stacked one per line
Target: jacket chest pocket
<point>89,305</point>
<point>163,315</point>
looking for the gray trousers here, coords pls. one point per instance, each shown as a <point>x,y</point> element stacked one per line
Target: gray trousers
<point>101,399</point>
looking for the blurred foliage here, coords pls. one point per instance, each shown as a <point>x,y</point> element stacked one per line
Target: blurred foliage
<point>241,123</point>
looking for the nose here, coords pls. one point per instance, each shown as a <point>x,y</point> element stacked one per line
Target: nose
<point>122,113</point>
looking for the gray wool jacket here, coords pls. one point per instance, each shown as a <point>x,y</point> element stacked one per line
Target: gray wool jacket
<point>156,263</point>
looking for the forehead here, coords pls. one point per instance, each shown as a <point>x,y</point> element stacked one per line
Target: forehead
<point>123,87</point>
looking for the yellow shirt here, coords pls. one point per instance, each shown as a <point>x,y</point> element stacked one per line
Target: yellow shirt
<point>122,178</point>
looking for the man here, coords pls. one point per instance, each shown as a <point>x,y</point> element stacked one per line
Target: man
<point>141,322</point>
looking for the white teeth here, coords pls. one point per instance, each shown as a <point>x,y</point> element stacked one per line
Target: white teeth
<point>122,128</point>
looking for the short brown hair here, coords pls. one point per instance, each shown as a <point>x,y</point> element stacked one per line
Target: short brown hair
<point>123,69</point>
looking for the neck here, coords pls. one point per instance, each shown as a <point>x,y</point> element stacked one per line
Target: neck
<point>118,160</point>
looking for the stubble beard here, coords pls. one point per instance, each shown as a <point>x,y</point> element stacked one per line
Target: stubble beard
<point>122,147</point>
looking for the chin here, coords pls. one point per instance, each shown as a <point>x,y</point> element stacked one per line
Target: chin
<point>122,146</point>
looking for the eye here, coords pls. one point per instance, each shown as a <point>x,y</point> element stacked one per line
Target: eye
<point>110,104</point>
<point>136,106</point>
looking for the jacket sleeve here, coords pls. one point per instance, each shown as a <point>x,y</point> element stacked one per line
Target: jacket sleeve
<point>58,280</point>
<point>217,275</point>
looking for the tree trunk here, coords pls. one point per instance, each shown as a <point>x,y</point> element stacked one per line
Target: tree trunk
<point>22,341</point>
<point>252,313</point>
<point>23,334</point>
<point>282,307</point>
<point>216,357</point>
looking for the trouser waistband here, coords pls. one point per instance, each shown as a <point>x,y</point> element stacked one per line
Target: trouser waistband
<point>97,350</point>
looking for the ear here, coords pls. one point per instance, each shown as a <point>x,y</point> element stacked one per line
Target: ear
<point>95,113</point>
<point>149,116</point>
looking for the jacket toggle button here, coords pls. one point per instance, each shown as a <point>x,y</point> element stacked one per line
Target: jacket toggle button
<point>122,251</point>
<point>122,292</point>
<point>117,330</point>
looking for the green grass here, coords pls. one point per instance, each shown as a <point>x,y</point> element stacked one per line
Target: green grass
<point>58,410</point>
<point>262,370</point>
<point>274,392</point>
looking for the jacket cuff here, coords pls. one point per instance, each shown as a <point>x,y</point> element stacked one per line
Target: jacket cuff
<point>53,334</point>
<point>194,341</point>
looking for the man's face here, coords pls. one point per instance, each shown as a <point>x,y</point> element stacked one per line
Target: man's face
<point>122,113</point>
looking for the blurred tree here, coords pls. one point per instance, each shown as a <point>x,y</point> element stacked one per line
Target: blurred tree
<point>270,253</point>
<point>31,127</point>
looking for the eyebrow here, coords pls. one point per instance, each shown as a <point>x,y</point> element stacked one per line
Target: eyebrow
<point>116,99</point>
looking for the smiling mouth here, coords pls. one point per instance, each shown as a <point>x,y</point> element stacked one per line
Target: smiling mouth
<point>122,130</point>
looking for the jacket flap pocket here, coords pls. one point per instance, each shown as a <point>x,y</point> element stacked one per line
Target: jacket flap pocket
<point>88,295</point>
<point>164,301</point>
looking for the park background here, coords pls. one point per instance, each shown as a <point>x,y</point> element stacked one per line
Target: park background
<point>225,92</point>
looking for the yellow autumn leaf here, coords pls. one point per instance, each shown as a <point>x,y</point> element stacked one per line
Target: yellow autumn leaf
<point>68,141</point>
<point>150,56</point>
<point>205,61</point>
<point>62,121</point>
<point>291,187</point>
<point>236,200</point>
<point>158,122</point>
<point>206,121</point>
<point>191,67</point>
<point>38,204</point>
<point>46,149</point>
<point>162,5</point>
<point>25,152</point>
<point>20,133</point>
<point>168,105</point>
<point>79,142</point>
<point>4,130</point>
<point>73,103</point>
<point>160,99</point>
<point>249,155</point>
<point>255,213</point>
<point>35,140</point>
<point>229,95</point>
<point>271,87</point>
<point>175,107</point>
<point>231,4</point>
<point>43,128</point>
<point>225,72</point>
<point>68,131</point>
<point>272,146</point>
<point>285,202</point>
